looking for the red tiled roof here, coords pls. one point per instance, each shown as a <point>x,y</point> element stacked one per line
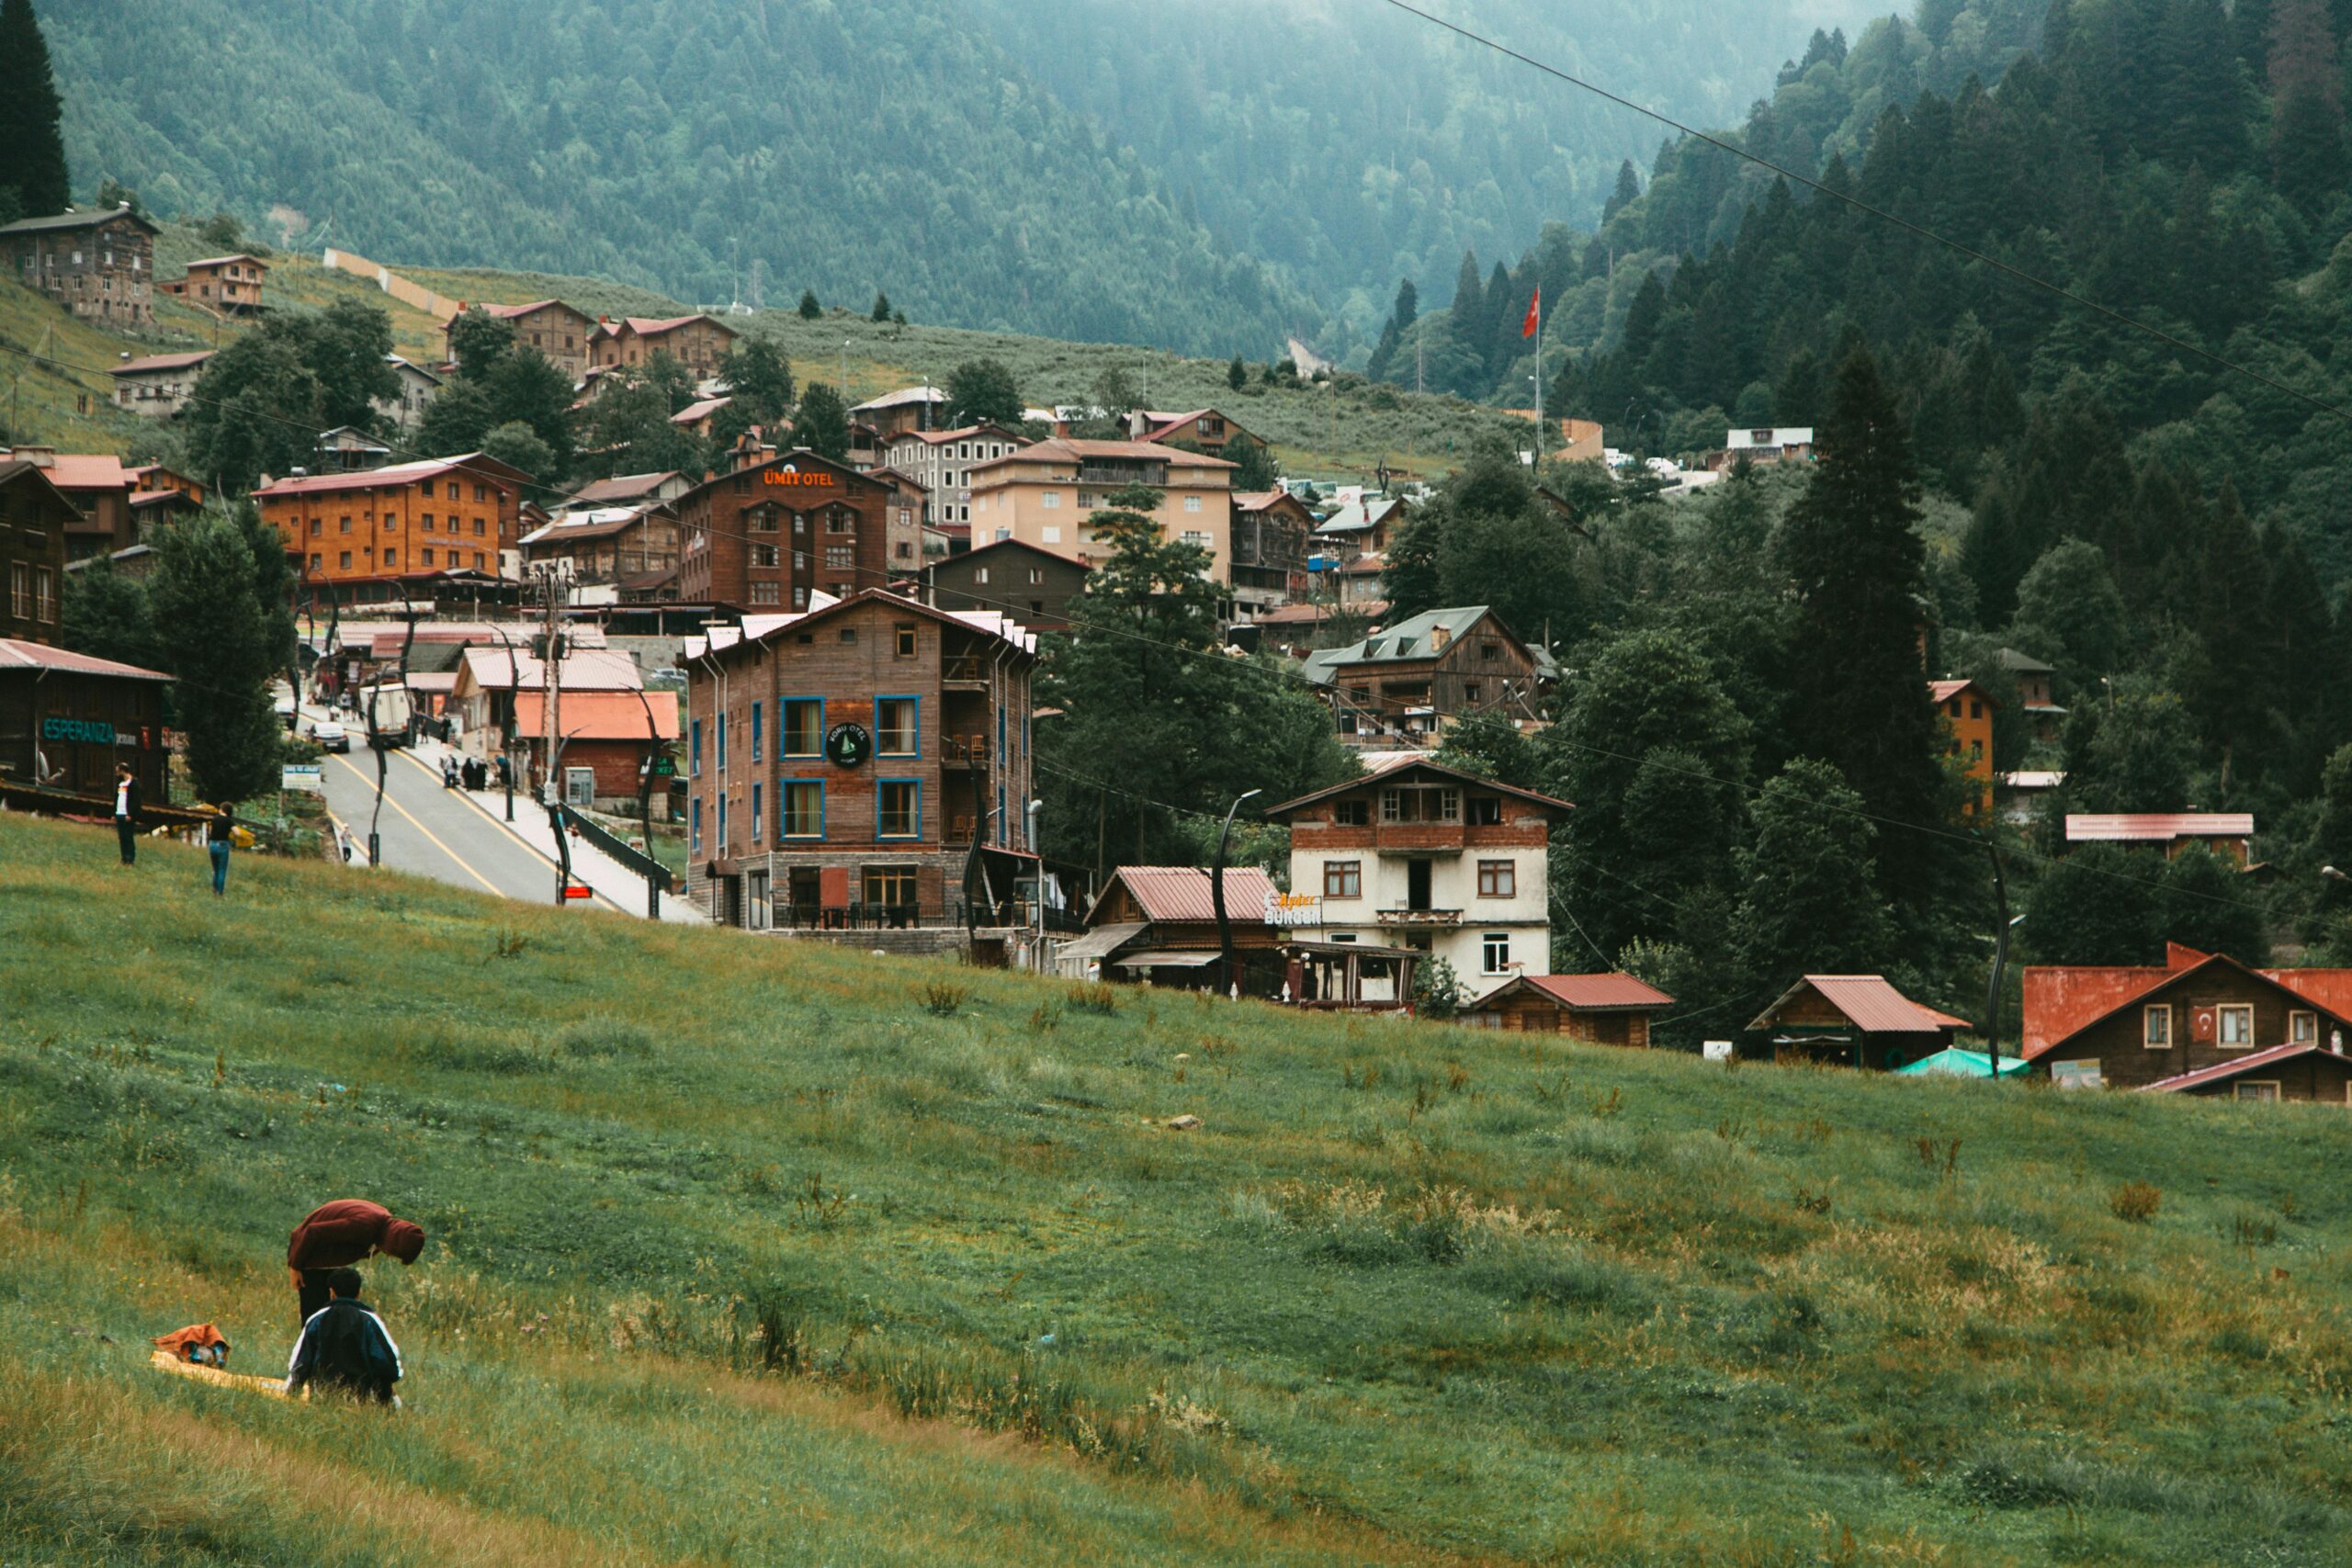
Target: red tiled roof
<point>1182,893</point>
<point>1598,991</point>
<point>15,655</point>
<point>2222,1070</point>
<point>1869,1003</point>
<point>511,313</point>
<point>599,715</point>
<point>2155,827</point>
<point>1944,691</point>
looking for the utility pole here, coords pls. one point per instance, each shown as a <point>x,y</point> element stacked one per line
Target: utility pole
<point>1216,894</point>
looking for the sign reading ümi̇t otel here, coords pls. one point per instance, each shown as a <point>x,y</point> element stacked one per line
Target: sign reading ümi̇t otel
<point>816,478</point>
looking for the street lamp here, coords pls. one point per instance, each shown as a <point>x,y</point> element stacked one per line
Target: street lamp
<point>845,372</point>
<point>1217,896</point>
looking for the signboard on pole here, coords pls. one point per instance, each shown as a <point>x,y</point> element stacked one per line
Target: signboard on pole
<point>312,777</point>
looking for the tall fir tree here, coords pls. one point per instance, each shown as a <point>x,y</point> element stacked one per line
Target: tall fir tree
<point>32,150</point>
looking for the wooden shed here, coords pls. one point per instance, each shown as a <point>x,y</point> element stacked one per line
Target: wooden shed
<point>1860,1021</point>
<point>1608,1009</point>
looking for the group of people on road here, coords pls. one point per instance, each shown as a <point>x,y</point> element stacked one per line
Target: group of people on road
<point>469,773</point>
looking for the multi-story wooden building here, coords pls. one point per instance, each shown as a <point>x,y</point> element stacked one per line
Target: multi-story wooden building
<point>1406,684</point>
<point>1270,528</point>
<point>632,490</point>
<point>1033,586</point>
<point>2035,697</point>
<point>908,501</point>
<point>696,342</point>
<point>100,266</point>
<point>34,517</point>
<point>1965,710</point>
<point>774,533</point>
<point>227,286</point>
<point>942,462</point>
<point>842,761</point>
<point>551,326</point>
<point>607,543</point>
<point>909,408</point>
<point>357,536</point>
<point>1043,494</point>
<point>1203,428</point>
<point>2198,1023</point>
<point>99,488</point>
<point>67,718</point>
<point>157,385</point>
<point>1428,857</point>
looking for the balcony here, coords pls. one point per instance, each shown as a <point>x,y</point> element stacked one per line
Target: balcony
<point>964,751</point>
<point>1418,919</point>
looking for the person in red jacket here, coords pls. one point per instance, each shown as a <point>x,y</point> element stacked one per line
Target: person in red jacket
<point>336,1236</point>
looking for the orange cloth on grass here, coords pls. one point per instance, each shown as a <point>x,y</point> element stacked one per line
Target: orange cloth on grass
<point>180,1341</point>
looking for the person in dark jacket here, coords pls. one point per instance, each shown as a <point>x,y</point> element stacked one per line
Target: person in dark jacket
<point>217,829</point>
<point>125,812</point>
<point>336,1236</point>
<point>345,1347</point>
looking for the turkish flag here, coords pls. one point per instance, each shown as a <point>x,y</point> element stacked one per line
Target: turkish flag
<point>1534,313</point>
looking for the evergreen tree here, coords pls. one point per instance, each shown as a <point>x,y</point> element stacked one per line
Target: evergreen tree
<point>107,615</point>
<point>1850,550</point>
<point>1487,745</point>
<point>2096,905</point>
<point>759,380</point>
<point>1409,572</point>
<point>2068,609</point>
<point>823,424</point>
<point>32,151</point>
<point>2205,905</point>
<point>2131,751</point>
<point>1628,191</point>
<point>1253,465</point>
<point>478,341</point>
<point>810,309</point>
<point>218,642</point>
<point>1811,903</point>
<point>881,311</point>
<point>1237,375</point>
<point>518,445</point>
<point>526,389</point>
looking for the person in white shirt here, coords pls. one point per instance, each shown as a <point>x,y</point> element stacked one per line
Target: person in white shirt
<point>126,811</point>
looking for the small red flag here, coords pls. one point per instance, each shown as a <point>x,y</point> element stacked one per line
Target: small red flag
<point>1534,313</point>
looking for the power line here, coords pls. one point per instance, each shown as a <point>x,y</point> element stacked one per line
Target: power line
<point>2321,404</point>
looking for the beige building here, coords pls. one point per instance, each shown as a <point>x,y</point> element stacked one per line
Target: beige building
<point>1043,495</point>
<point>157,386</point>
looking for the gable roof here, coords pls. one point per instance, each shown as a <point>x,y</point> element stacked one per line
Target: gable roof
<point>2023,663</point>
<point>1182,892</point>
<point>1071,449</point>
<point>2220,1071</point>
<point>624,487</point>
<point>1418,766</point>
<point>961,432</point>
<point>1415,637</point>
<point>1615,992</point>
<point>151,362</point>
<point>1360,515</point>
<point>791,462</point>
<point>1009,547</point>
<point>1944,691</point>
<point>57,222</point>
<point>720,640</point>
<point>902,398</point>
<point>2155,827</point>
<point>398,474</point>
<point>224,261</point>
<point>2060,1001</point>
<point>583,670</point>
<point>514,312</point>
<point>12,470</point>
<point>658,326</point>
<point>16,655</point>
<point>1870,1004</point>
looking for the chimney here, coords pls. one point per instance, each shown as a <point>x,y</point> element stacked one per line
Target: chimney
<point>39,457</point>
<point>1438,638</point>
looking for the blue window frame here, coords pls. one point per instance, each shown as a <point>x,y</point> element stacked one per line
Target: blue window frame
<point>696,813</point>
<point>800,809</point>
<point>759,818</point>
<point>722,821</point>
<point>999,736</point>
<point>898,808</point>
<point>901,734</point>
<point>719,745</point>
<point>1003,823</point>
<point>804,727</point>
<point>755,733</point>
<point>694,749</point>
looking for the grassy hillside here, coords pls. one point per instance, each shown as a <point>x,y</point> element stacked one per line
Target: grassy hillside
<point>743,1251</point>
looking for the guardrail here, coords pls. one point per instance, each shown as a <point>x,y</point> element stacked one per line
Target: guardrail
<point>656,874</point>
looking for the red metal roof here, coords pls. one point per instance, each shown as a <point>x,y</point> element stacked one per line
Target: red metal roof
<point>15,655</point>
<point>2059,1002</point>
<point>599,715</point>
<point>391,477</point>
<point>1182,892</point>
<point>2222,1070</point>
<point>78,471</point>
<point>2155,827</point>
<point>1071,449</point>
<point>1869,1003</point>
<point>1598,991</point>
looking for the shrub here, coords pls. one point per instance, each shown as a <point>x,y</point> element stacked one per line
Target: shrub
<point>1095,996</point>
<point>2134,1200</point>
<point>941,1000</point>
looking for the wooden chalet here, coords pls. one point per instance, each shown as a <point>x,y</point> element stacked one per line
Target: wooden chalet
<point>1606,1009</point>
<point>1858,1020</point>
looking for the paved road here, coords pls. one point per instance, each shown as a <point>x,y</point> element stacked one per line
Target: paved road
<point>432,831</point>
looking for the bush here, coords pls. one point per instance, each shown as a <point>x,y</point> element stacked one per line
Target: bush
<point>941,1000</point>
<point>2134,1200</point>
<point>1095,996</point>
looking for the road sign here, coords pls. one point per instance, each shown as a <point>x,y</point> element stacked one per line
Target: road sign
<point>665,766</point>
<point>312,777</point>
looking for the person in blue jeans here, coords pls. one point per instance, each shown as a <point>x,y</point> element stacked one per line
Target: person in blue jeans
<point>216,842</point>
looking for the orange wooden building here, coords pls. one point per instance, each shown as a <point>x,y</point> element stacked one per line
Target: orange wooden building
<point>379,526</point>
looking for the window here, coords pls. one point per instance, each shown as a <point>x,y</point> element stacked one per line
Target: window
<point>1494,952</point>
<point>1497,879</point>
<point>425,490</point>
<point>763,520</point>
<point>2303,1028</point>
<point>1352,813</point>
<point>889,886</point>
<point>694,813</point>
<point>1470,691</point>
<point>2255,1091</point>
<point>2233,1026</point>
<point>756,729</point>
<point>694,749</point>
<point>898,808</point>
<point>316,523</point>
<point>1051,500</point>
<point>839,520</point>
<point>1086,500</point>
<point>425,521</point>
<point>346,562</point>
<point>764,556</point>
<point>840,557</point>
<point>428,555</point>
<point>722,822</point>
<point>799,525</point>
<point>1192,503</point>
<point>1196,537</point>
<point>1490,652</point>
<point>1975,709</point>
<point>346,525</point>
<point>1487,811</point>
<point>391,557</point>
<point>1343,879</point>
<point>764,593</point>
<point>481,492</point>
<point>849,634</point>
<point>804,727</point>
<point>896,729</point>
<point>979,576</point>
<point>314,561</point>
<point>1036,575</point>
<point>2156,1027</point>
<point>718,744</point>
<point>759,822</point>
<point>1052,534</point>
<point>802,803</point>
<point>906,642</point>
<point>21,591</point>
<point>479,529</point>
<point>1421,803</point>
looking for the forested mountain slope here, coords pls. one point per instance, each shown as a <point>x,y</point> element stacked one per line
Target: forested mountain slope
<point>1075,167</point>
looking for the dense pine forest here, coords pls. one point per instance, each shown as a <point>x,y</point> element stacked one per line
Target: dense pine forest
<point>1234,173</point>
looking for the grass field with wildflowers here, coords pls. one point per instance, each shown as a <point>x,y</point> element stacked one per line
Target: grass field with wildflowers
<point>742,1250</point>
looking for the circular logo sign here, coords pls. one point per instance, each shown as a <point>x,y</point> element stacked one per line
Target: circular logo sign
<point>848,745</point>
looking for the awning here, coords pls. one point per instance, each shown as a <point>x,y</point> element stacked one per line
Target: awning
<point>1100,942</point>
<point>1166,958</point>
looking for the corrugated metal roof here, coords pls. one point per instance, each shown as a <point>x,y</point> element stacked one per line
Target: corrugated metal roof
<point>585,670</point>
<point>2155,827</point>
<point>15,655</point>
<point>76,470</point>
<point>2059,1002</point>
<point>622,487</point>
<point>160,362</point>
<point>1613,990</point>
<point>1181,892</point>
<point>1869,1003</point>
<point>2222,1070</point>
<point>1100,942</point>
<point>390,477</point>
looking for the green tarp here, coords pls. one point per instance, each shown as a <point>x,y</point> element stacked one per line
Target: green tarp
<point>1964,1063</point>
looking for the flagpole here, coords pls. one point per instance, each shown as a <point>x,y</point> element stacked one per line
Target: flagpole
<point>1537,465</point>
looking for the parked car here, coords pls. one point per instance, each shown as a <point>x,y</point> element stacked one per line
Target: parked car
<point>331,736</point>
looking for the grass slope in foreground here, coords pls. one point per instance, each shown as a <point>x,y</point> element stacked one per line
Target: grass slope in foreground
<point>740,1252</point>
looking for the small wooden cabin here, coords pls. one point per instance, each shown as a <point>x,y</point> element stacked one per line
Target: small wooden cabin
<point>1608,1009</point>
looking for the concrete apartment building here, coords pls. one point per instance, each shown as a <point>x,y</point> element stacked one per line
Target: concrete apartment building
<point>419,386</point>
<point>554,329</point>
<point>1042,495</point>
<point>100,266</point>
<point>942,462</point>
<point>359,534</point>
<point>157,385</point>
<point>696,342</point>
<point>841,762</point>
<point>1423,856</point>
<point>778,531</point>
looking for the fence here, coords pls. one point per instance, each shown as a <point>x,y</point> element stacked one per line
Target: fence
<point>636,860</point>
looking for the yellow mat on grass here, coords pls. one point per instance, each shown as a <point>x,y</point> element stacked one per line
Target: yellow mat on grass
<point>163,1361</point>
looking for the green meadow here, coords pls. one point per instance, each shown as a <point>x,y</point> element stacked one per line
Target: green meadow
<point>743,1251</point>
